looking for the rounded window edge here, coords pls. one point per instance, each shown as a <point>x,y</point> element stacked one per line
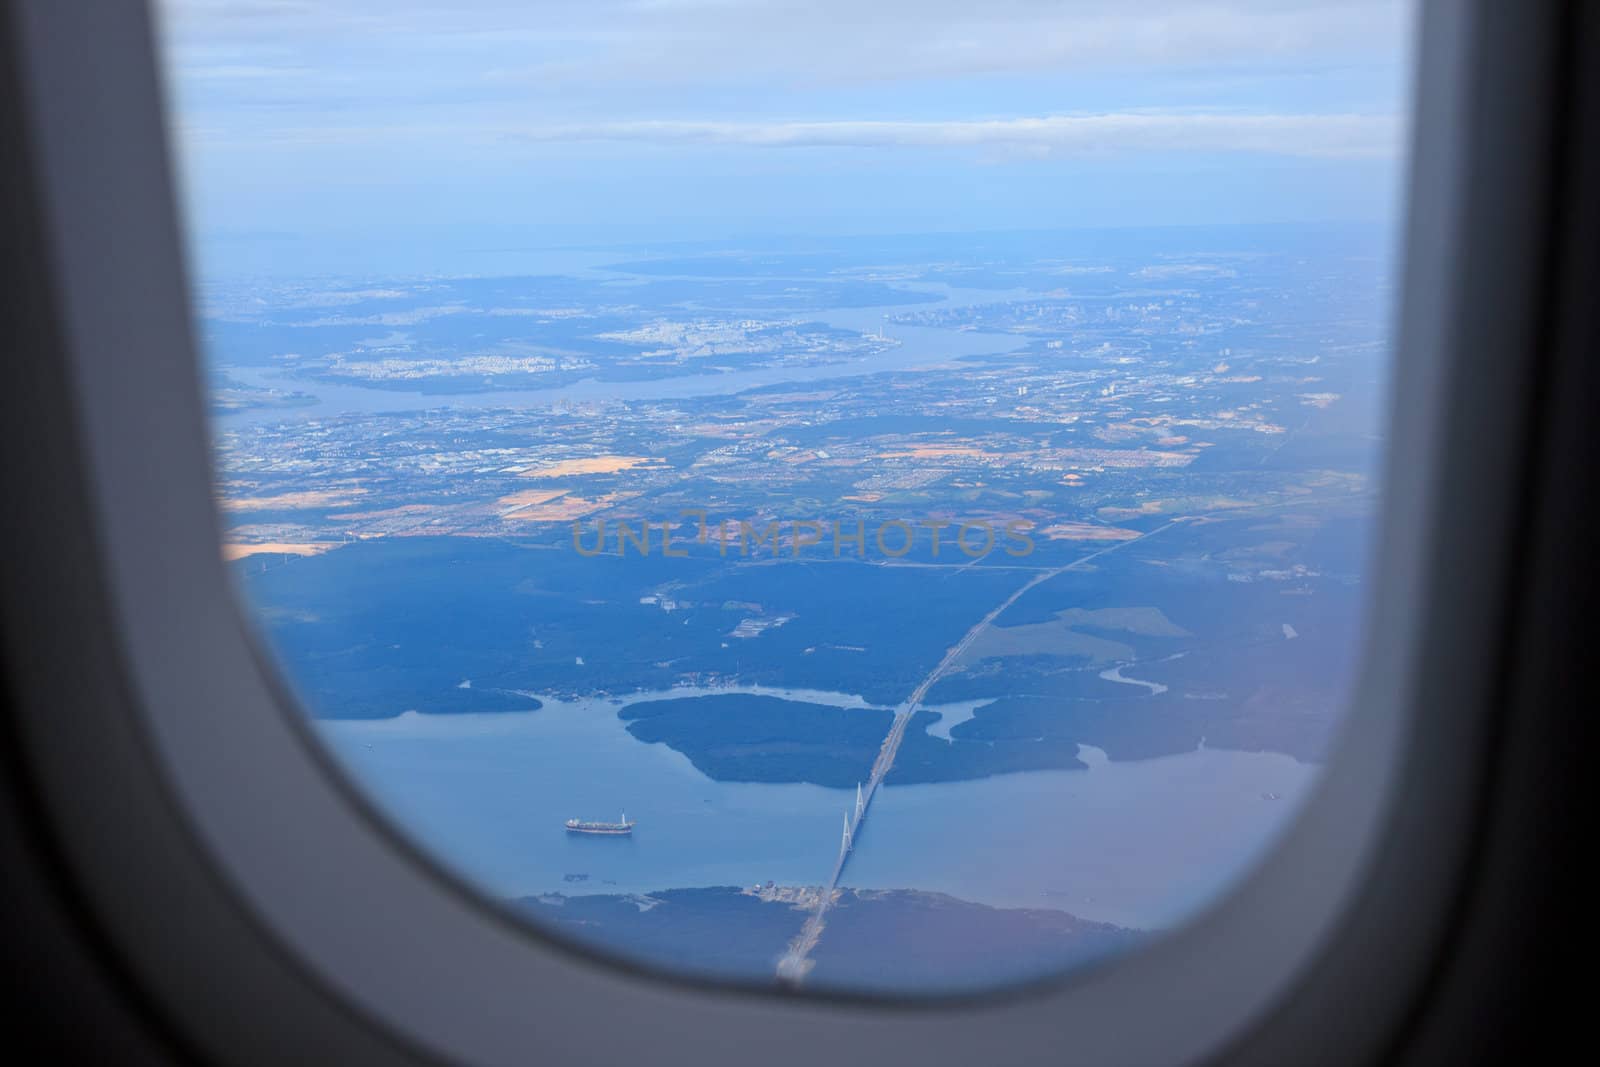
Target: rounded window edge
<point>141,569</point>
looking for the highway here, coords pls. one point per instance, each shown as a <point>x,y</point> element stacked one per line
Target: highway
<point>796,962</point>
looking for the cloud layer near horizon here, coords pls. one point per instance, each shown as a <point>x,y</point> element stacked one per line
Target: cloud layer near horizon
<point>1331,136</point>
<point>699,116</point>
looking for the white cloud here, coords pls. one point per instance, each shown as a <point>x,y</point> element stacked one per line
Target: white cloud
<point>241,72</point>
<point>1332,136</point>
<point>1223,75</point>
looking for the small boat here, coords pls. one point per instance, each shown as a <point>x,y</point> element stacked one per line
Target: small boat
<point>579,826</point>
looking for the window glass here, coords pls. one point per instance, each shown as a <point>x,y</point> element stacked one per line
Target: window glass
<point>866,496</point>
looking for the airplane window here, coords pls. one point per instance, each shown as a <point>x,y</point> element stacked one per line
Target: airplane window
<point>859,497</point>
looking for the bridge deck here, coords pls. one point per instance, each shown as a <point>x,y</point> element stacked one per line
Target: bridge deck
<point>796,963</point>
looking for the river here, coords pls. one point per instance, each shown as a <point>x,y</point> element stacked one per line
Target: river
<point>918,346</point>
<point>1140,843</point>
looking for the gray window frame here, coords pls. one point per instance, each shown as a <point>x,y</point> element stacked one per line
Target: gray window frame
<point>276,882</point>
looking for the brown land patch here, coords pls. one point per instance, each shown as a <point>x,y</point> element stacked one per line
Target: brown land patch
<point>235,551</point>
<point>509,505</point>
<point>311,498</point>
<point>940,452</point>
<point>590,465</point>
<point>566,508</point>
<point>1086,531</point>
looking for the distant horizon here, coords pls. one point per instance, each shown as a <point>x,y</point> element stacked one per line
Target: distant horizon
<point>218,258</point>
<point>402,126</point>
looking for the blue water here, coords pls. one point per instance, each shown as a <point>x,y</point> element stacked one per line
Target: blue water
<point>919,346</point>
<point>1140,844</point>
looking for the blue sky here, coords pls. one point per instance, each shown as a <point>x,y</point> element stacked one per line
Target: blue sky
<point>432,124</point>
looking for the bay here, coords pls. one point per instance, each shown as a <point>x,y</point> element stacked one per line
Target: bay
<point>1141,843</point>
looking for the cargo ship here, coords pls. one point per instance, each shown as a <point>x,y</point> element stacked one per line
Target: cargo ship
<point>579,826</point>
